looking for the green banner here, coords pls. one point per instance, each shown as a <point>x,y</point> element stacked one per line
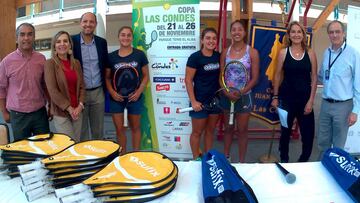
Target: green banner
<point>168,32</point>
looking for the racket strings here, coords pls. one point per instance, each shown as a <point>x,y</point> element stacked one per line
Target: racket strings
<point>126,81</point>
<point>235,75</point>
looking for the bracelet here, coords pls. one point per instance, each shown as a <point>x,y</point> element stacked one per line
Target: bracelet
<point>275,97</point>
<point>82,105</point>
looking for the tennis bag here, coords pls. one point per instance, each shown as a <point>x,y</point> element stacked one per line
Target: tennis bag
<point>69,167</point>
<point>30,149</point>
<point>222,183</point>
<point>132,177</point>
<point>345,170</point>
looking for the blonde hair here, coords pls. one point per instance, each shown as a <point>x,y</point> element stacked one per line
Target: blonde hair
<point>54,55</point>
<point>288,42</point>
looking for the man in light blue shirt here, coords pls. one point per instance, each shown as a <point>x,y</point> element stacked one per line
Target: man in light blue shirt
<point>91,51</point>
<point>340,74</point>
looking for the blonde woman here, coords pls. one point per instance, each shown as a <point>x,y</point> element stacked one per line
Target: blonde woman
<point>296,92</point>
<point>64,82</point>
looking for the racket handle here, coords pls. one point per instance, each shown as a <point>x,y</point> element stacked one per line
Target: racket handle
<point>34,173</point>
<point>62,192</point>
<point>184,110</point>
<point>32,166</point>
<point>231,118</point>
<point>87,194</point>
<point>26,188</point>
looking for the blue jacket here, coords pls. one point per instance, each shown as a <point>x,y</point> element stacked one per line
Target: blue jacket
<point>102,51</point>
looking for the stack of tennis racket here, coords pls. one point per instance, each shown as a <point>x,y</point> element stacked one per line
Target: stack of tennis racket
<point>28,150</point>
<point>69,167</point>
<point>133,177</point>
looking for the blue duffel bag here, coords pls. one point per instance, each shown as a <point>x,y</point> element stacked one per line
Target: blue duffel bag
<point>221,182</point>
<point>345,169</point>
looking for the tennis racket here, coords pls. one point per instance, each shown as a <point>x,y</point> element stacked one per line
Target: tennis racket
<point>126,80</point>
<point>214,103</point>
<point>234,78</point>
<point>154,36</point>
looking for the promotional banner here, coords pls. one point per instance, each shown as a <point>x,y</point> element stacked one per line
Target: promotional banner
<point>168,32</point>
<point>268,41</point>
<point>353,37</point>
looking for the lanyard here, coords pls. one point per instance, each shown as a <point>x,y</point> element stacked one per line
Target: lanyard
<point>331,64</point>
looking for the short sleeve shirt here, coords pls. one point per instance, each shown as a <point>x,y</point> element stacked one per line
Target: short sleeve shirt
<point>136,59</point>
<point>206,79</point>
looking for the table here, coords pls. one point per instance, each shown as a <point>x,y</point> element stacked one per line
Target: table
<point>314,184</point>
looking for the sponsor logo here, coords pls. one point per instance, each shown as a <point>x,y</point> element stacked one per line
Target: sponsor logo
<point>169,123</point>
<point>166,110</point>
<point>158,101</point>
<point>131,64</point>
<point>182,80</point>
<point>164,79</point>
<point>166,138</point>
<point>160,66</point>
<point>175,102</point>
<point>177,129</point>
<point>211,66</point>
<point>216,175</point>
<point>184,123</point>
<point>151,170</point>
<point>347,165</point>
<point>165,145</point>
<point>177,139</point>
<point>178,146</point>
<point>162,87</point>
<point>173,63</point>
<point>94,149</point>
<point>181,91</point>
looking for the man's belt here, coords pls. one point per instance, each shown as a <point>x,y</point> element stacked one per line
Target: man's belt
<point>94,88</point>
<point>335,101</point>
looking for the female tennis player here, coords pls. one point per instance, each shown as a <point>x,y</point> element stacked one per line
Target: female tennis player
<point>202,72</point>
<point>65,84</point>
<point>126,79</point>
<point>296,93</point>
<point>242,53</point>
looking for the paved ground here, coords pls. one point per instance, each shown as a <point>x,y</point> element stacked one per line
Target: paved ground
<point>257,148</point>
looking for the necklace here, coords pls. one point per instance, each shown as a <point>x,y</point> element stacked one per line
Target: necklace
<point>238,51</point>
<point>296,52</point>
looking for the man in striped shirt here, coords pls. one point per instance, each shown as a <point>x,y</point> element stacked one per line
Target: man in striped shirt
<point>22,87</point>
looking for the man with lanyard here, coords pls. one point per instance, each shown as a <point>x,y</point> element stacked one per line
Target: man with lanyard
<point>92,53</point>
<point>340,74</point>
<point>22,87</point>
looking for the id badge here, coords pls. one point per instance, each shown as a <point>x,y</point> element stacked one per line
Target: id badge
<point>327,74</point>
